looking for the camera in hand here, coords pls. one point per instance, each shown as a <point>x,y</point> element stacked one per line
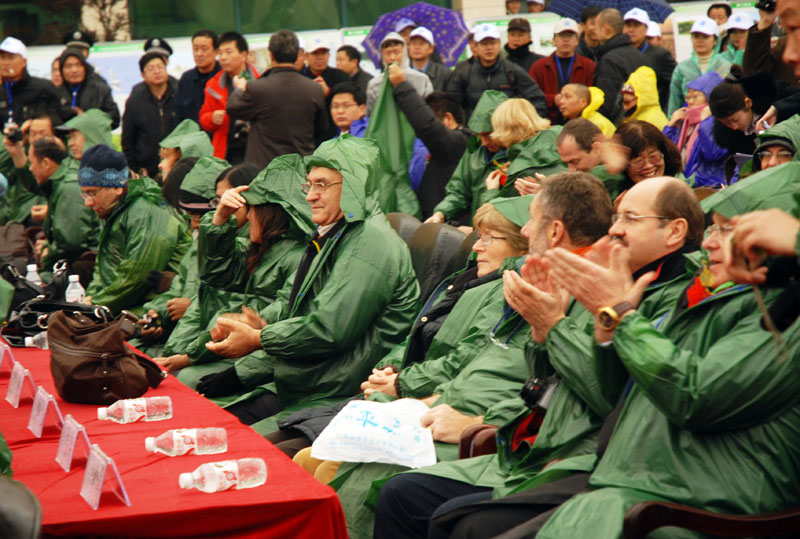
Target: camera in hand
<point>12,132</point>
<point>538,392</point>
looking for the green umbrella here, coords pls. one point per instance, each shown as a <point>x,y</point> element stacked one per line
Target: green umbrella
<point>281,183</point>
<point>515,209</point>
<point>771,188</point>
<point>356,160</point>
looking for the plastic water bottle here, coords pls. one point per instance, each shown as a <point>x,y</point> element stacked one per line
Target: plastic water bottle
<point>225,475</point>
<point>141,409</point>
<point>181,441</point>
<point>75,292</point>
<point>37,341</point>
<point>33,275</point>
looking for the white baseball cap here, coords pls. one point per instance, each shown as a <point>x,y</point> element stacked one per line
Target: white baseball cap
<point>705,25</point>
<point>424,33</point>
<point>486,31</point>
<point>540,2</point>
<point>13,45</point>
<point>638,15</point>
<point>739,21</point>
<point>565,25</point>
<point>317,44</point>
<point>300,43</point>
<point>653,29</point>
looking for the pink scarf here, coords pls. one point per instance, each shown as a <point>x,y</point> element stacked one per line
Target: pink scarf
<point>689,129</point>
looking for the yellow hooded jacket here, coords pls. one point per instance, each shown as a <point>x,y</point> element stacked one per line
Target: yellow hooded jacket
<point>648,108</point>
<point>591,114</point>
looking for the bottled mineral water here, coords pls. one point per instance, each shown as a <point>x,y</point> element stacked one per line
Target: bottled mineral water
<point>33,275</point>
<point>181,441</point>
<point>75,292</point>
<point>37,341</point>
<point>141,409</point>
<point>225,475</point>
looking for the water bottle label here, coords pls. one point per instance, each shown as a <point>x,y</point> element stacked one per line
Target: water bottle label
<point>227,474</point>
<point>184,440</point>
<point>135,410</point>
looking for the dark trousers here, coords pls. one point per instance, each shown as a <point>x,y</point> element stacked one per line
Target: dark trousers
<point>290,440</point>
<point>407,501</point>
<point>254,410</point>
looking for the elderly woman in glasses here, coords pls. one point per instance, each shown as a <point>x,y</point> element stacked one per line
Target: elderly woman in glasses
<point>651,153</point>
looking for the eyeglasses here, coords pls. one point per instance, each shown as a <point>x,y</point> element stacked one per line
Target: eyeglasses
<point>641,162</point>
<point>629,218</point>
<point>317,187</point>
<point>343,106</point>
<point>487,239</point>
<point>782,154</point>
<point>722,230</point>
<point>90,195</point>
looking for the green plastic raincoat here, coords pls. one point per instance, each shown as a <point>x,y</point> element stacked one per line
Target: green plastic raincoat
<point>688,70</point>
<point>356,302</point>
<point>648,108</point>
<point>788,130</point>
<point>5,457</point>
<point>464,189</point>
<point>140,235</point>
<point>17,203</point>
<point>227,286</point>
<point>189,139</point>
<point>94,125</point>
<point>535,155</point>
<point>711,419</point>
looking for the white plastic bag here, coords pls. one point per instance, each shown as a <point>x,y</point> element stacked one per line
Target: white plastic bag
<point>367,431</point>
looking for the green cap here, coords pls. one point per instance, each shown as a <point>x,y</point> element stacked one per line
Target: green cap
<point>356,160</point>
<point>281,183</point>
<point>94,124</point>
<point>200,183</point>
<point>771,188</point>
<point>515,209</point>
<point>481,119</point>
<point>189,139</point>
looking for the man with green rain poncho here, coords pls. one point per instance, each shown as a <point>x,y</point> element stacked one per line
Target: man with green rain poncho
<point>139,233</point>
<point>166,309</point>
<point>352,299</point>
<point>561,354</point>
<point>238,272</point>
<point>483,155</point>
<point>186,140</point>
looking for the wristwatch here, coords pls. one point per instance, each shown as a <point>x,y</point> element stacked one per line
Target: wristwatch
<point>608,317</point>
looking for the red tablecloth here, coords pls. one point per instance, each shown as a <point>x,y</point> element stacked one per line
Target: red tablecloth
<point>290,504</point>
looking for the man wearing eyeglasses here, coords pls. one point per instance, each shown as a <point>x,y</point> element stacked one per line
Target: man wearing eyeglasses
<point>777,145</point>
<point>150,114</point>
<point>139,233</point>
<point>353,297</point>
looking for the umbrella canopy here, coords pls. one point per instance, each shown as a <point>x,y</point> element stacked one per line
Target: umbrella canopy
<point>449,30</point>
<point>771,188</point>
<point>658,10</point>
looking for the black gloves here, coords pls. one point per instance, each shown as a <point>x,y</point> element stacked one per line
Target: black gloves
<point>220,384</point>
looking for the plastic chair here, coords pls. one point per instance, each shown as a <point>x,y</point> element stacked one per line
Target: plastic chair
<point>20,511</point>
<point>435,253</point>
<point>405,225</point>
<point>477,440</point>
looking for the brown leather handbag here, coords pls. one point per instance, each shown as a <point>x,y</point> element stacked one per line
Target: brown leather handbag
<point>90,362</point>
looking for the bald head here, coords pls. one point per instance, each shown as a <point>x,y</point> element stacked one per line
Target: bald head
<point>674,198</point>
<point>581,90</point>
<point>610,23</point>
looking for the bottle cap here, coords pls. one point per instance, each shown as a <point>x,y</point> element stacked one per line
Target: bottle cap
<point>102,413</point>
<point>32,267</point>
<point>29,342</point>
<point>150,443</point>
<point>186,480</point>
<point>74,278</point>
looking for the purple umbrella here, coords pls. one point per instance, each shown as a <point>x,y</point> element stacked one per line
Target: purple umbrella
<point>658,10</point>
<point>449,30</point>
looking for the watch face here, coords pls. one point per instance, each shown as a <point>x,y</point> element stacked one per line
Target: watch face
<point>606,322</point>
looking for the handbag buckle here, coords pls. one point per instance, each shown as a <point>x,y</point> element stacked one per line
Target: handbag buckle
<point>60,266</point>
<point>41,320</point>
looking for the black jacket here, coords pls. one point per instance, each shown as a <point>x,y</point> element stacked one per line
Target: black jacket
<point>471,79</point>
<point>616,60</point>
<point>94,93</point>
<point>29,97</point>
<point>585,50</point>
<point>191,92</point>
<point>332,77</point>
<point>439,74</point>
<point>522,56</point>
<point>663,63</point>
<point>362,78</point>
<point>760,55</point>
<point>446,146</point>
<point>146,122</point>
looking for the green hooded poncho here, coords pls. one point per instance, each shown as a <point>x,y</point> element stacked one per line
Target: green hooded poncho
<point>141,234</point>
<point>710,388</point>
<point>787,130</point>
<point>189,139</point>
<point>467,184</point>
<point>94,125</point>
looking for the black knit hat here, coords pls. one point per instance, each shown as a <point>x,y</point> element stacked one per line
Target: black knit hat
<point>101,166</point>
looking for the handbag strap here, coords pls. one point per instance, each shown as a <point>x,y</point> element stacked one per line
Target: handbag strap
<point>152,372</point>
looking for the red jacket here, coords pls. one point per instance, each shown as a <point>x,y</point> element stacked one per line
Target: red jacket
<point>216,98</point>
<point>545,73</point>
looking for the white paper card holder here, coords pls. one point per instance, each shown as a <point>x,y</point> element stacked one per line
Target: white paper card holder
<point>42,403</point>
<point>70,434</point>
<point>97,467</point>
<point>6,357</point>
<point>18,376</point>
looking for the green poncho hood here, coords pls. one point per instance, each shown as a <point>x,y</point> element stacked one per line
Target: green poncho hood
<point>788,131</point>
<point>771,188</point>
<point>281,183</point>
<point>199,184</point>
<point>94,124</point>
<point>481,119</point>
<point>189,139</point>
<point>515,209</point>
<point>536,152</point>
<point>356,160</point>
